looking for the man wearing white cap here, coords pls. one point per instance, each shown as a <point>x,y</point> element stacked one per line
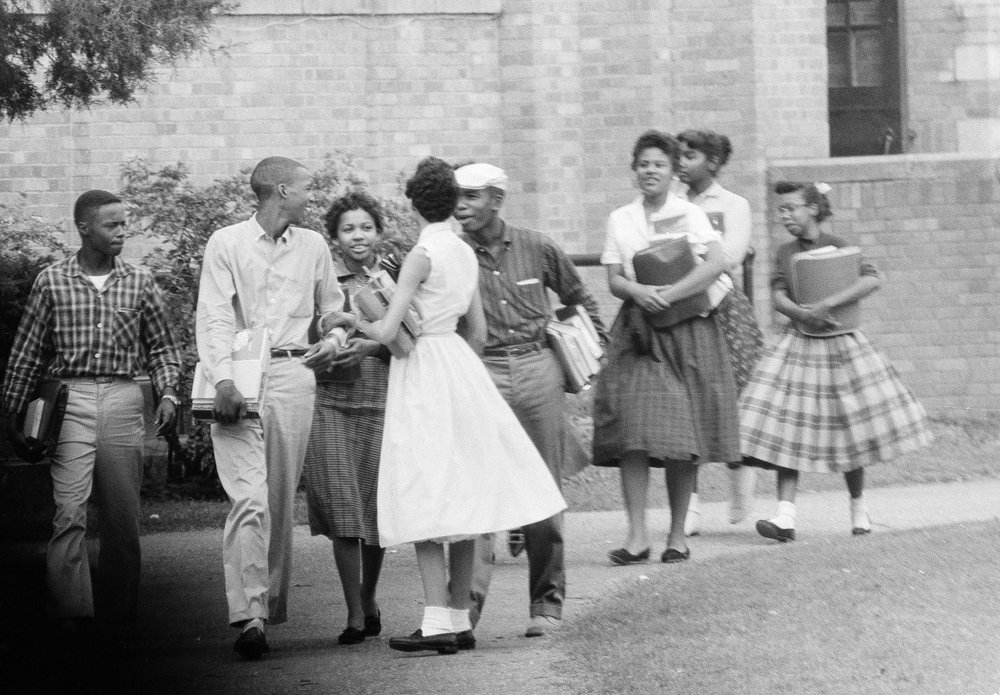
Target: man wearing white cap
<point>516,268</point>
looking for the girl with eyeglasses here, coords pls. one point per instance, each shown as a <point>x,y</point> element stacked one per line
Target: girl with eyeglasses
<point>822,404</point>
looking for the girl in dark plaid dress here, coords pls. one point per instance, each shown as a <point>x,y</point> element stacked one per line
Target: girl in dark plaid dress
<point>341,469</point>
<point>667,397</point>
<point>703,154</point>
<point>823,404</point>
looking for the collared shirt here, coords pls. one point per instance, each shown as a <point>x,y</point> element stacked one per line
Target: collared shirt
<point>249,279</point>
<point>630,232</point>
<point>513,286</point>
<point>75,330</point>
<point>783,259</point>
<point>730,215</point>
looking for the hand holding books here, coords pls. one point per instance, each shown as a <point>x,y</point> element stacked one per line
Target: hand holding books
<point>34,434</point>
<point>372,301</point>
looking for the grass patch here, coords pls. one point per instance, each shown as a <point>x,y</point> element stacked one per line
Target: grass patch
<point>906,613</point>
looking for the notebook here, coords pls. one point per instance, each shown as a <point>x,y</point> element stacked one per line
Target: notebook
<point>574,339</point>
<point>373,299</point>
<point>819,273</point>
<point>665,263</point>
<point>43,419</point>
<point>250,358</point>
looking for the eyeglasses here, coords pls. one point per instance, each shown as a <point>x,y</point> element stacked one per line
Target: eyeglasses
<point>789,209</point>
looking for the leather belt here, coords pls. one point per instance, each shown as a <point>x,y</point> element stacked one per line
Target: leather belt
<point>106,379</point>
<point>288,353</point>
<point>514,350</point>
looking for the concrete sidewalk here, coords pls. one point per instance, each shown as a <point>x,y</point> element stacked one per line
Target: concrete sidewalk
<point>186,646</point>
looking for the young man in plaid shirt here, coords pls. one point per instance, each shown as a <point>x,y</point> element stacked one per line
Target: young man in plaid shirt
<point>94,322</point>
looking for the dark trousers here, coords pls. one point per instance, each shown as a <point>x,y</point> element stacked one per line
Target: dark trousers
<point>532,385</point>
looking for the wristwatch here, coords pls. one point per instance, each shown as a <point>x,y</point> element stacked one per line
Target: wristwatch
<point>172,398</point>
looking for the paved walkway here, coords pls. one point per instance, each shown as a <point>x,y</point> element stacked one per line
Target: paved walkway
<point>186,645</point>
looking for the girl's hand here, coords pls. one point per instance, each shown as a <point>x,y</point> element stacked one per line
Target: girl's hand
<point>648,298</point>
<point>357,349</point>
<point>819,316</point>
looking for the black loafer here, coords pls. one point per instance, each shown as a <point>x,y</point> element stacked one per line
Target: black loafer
<point>373,624</point>
<point>351,635</point>
<point>622,556</point>
<point>671,555</point>
<point>251,644</point>
<point>446,643</point>
<point>465,639</point>
<point>769,529</point>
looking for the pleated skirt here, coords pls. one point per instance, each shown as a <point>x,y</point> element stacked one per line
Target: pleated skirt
<point>670,393</point>
<point>828,405</point>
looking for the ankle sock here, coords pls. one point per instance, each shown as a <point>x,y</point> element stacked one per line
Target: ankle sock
<point>460,619</point>
<point>859,513</point>
<point>254,623</point>
<point>785,519</point>
<point>437,621</point>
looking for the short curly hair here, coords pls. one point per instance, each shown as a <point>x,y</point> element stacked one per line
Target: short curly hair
<point>810,194</point>
<point>433,190</point>
<point>709,143</point>
<point>660,140</point>
<point>352,200</point>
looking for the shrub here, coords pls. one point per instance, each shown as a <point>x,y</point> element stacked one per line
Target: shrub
<point>181,215</point>
<point>27,245</point>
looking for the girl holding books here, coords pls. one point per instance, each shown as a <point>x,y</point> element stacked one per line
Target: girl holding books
<point>341,469</point>
<point>455,462</point>
<point>667,397</point>
<point>703,154</point>
<point>822,404</point>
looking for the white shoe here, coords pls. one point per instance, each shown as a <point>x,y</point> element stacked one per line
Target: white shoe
<point>692,522</point>
<point>744,485</point>
<point>861,523</point>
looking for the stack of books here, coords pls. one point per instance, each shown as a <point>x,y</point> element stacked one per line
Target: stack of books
<point>250,358</point>
<point>666,263</point>
<point>43,419</point>
<point>577,345</point>
<point>820,273</point>
<point>373,299</point>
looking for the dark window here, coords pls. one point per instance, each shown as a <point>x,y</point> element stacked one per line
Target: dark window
<point>862,40</point>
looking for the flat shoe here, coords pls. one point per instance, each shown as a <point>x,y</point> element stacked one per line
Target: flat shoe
<point>351,635</point>
<point>622,556</point>
<point>769,529</point>
<point>251,644</point>
<point>373,624</point>
<point>671,555</point>
<point>515,542</point>
<point>465,639</point>
<point>445,643</point>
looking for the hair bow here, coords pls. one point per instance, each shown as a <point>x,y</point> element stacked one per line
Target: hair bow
<point>822,188</point>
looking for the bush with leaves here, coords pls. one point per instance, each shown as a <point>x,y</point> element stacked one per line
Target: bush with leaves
<point>180,215</point>
<point>27,245</point>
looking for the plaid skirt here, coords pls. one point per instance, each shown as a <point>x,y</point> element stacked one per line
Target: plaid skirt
<point>828,405</point>
<point>668,392</point>
<point>743,337</point>
<point>341,469</point>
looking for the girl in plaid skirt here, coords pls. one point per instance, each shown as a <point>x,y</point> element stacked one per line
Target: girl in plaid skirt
<point>341,469</point>
<point>667,397</point>
<point>824,404</point>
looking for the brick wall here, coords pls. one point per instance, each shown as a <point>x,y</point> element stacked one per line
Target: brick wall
<point>930,222</point>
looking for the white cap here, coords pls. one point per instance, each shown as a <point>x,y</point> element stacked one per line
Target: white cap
<point>481,175</point>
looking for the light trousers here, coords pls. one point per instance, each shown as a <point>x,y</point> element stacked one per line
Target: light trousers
<point>533,387</point>
<point>100,451</point>
<point>260,463</point>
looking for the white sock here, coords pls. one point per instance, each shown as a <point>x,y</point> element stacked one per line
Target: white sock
<point>859,513</point>
<point>255,623</point>
<point>460,620</point>
<point>693,504</point>
<point>437,621</point>
<point>786,515</point>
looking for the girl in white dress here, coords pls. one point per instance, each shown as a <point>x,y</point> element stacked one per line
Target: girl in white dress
<point>455,462</point>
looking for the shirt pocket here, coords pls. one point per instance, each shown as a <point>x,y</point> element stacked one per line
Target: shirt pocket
<point>531,299</point>
<point>127,324</point>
